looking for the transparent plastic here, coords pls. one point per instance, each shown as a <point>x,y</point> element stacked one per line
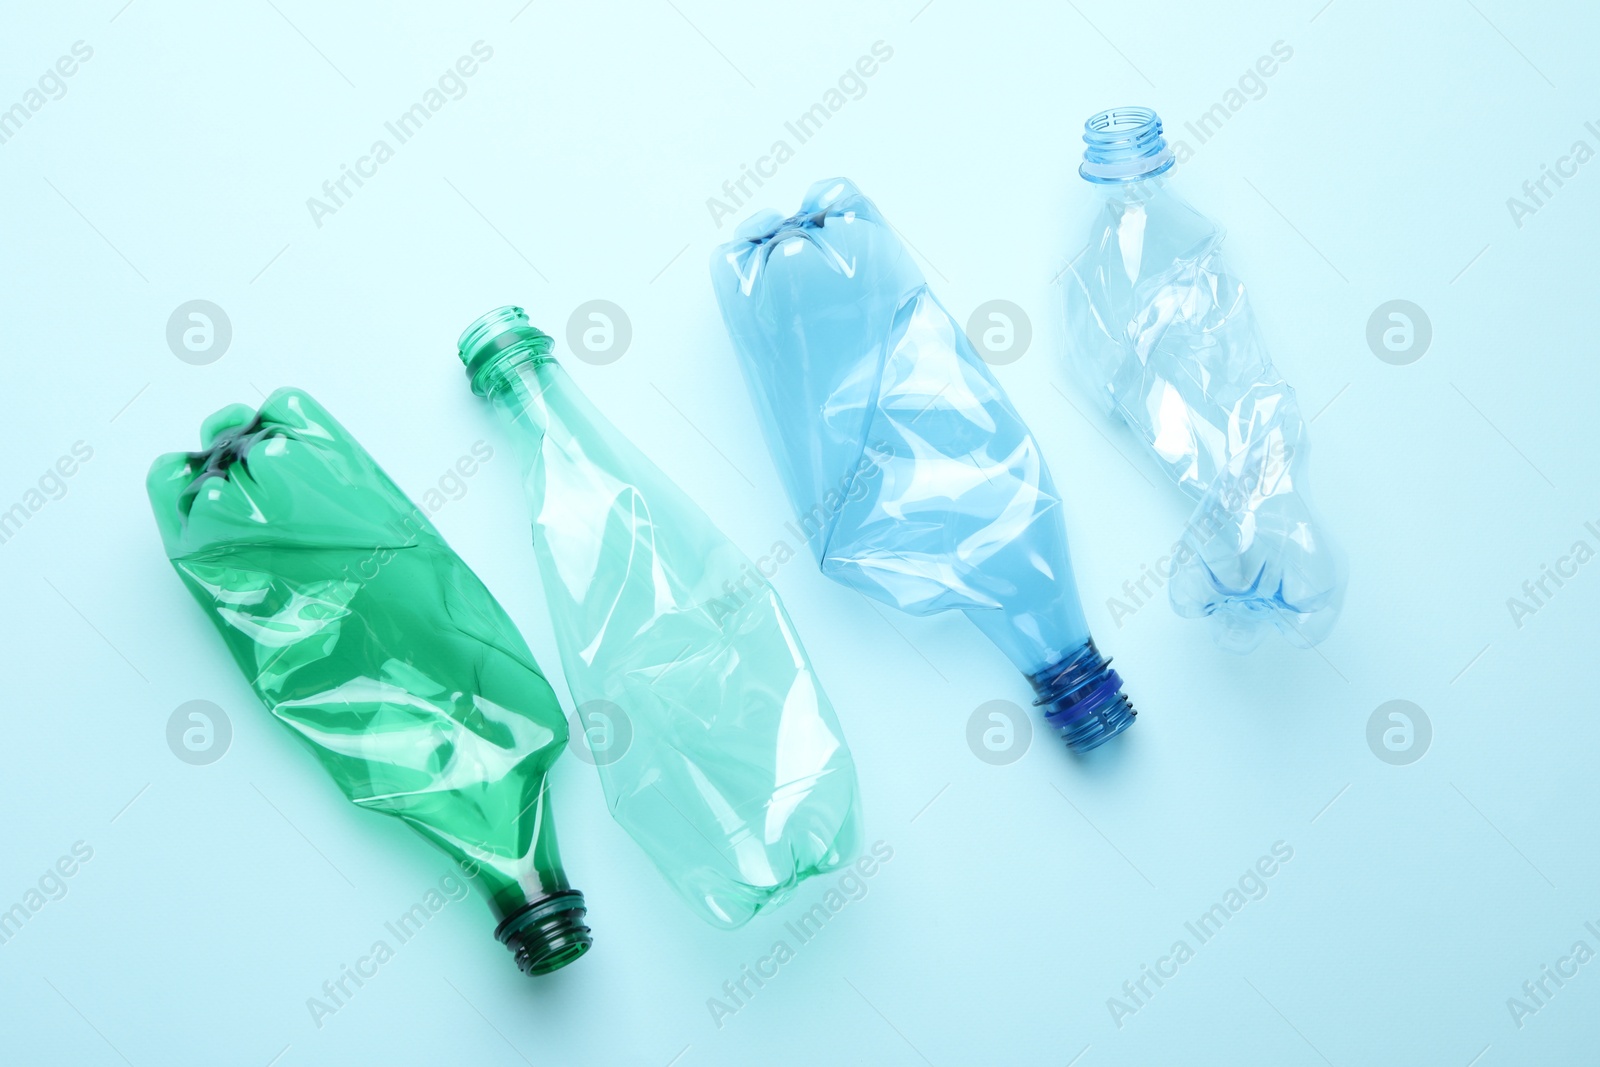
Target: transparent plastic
<point>1163,336</point>
<point>367,636</point>
<point>723,758</point>
<point>912,474</point>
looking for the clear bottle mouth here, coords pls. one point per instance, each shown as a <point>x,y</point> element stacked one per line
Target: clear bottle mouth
<point>1124,144</point>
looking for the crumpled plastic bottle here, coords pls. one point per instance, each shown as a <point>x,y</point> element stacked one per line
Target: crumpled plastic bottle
<point>365,634</point>
<point>914,477</point>
<point>721,754</point>
<point>1164,338</point>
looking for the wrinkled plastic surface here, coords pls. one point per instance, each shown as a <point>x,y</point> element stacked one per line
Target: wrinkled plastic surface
<point>364,633</point>
<point>1163,335</point>
<point>913,474</point>
<point>722,756</point>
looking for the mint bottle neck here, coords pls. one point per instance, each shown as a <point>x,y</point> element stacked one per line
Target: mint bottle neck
<point>499,347</point>
<point>521,390</point>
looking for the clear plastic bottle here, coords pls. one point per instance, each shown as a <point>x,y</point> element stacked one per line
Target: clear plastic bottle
<point>914,476</point>
<point>1164,338</point>
<point>367,636</point>
<point>737,780</point>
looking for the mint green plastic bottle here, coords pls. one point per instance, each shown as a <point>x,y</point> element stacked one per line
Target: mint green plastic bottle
<point>367,636</point>
<point>724,759</point>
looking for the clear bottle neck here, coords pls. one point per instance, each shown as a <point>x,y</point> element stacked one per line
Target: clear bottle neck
<point>1124,146</point>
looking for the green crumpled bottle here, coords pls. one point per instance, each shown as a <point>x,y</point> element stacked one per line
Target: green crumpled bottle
<point>736,779</point>
<point>364,633</point>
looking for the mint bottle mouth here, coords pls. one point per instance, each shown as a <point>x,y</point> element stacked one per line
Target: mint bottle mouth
<point>1124,144</point>
<point>497,341</point>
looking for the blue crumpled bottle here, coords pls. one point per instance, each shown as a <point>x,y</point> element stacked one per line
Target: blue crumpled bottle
<point>1163,336</point>
<point>914,478</point>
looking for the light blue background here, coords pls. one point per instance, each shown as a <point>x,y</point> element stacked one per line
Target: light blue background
<point>1376,166</point>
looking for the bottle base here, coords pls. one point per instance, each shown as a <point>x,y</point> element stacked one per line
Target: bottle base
<point>548,933</point>
<point>1083,699</point>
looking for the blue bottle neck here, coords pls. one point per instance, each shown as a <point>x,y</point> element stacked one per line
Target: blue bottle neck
<point>1083,700</point>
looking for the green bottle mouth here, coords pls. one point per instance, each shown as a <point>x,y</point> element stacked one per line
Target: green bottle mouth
<point>548,934</point>
<point>496,342</point>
